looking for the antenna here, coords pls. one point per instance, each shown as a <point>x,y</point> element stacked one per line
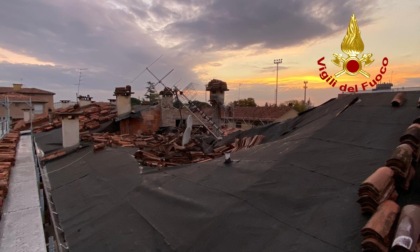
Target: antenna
<point>80,81</point>
<point>145,69</point>
<point>191,107</point>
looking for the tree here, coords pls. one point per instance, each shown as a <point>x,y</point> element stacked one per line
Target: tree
<point>248,102</point>
<point>299,106</point>
<point>135,101</point>
<point>152,97</point>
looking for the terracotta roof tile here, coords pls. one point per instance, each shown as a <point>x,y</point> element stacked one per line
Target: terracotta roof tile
<point>380,224</point>
<point>4,90</point>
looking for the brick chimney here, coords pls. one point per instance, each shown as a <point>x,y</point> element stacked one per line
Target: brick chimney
<point>123,95</point>
<point>17,87</point>
<point>70,129</point>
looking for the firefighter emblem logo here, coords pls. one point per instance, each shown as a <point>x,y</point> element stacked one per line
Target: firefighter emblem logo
<point>352,46</point>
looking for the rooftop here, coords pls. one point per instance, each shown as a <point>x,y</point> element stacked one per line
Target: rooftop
<point>297,190</point>
<point>256,113</point>
<point>28,91</point>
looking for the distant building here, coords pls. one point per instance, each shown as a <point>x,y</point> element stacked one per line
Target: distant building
<point>248,117</point>
<point>19,98</point>
<point>383,86</point>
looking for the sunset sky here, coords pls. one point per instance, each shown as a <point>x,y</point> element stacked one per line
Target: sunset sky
<point>44,43</point>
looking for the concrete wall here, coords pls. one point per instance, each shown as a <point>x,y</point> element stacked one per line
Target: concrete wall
<point>16,111</point>
<point>123,104</point>
<point>149,123</point>
<point>70,131</point>
<point>16,107</point>
<point>171,115</point>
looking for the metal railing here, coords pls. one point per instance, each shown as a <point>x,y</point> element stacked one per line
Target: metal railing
<point>56,239</point>
<point>4,126</point>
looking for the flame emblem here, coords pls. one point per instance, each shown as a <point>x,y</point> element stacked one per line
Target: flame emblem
<point>352,45</point>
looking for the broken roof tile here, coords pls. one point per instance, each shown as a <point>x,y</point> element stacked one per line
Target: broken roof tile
<point>407,234</point>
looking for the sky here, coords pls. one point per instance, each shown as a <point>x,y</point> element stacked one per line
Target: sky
<point>47,44</point>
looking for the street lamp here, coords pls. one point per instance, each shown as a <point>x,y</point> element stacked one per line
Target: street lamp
<point>305,87</point>
<point>277,62</point>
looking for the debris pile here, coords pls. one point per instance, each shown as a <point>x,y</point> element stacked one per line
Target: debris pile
<point>92,117</point>
<point>8,146</point>
<point>165,150</point>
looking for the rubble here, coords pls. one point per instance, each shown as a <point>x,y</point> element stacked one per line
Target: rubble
<point>8,146</point>
<point>92,116</point>
<point>166,150</point>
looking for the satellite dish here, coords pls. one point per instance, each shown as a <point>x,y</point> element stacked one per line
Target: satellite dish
<point>187,133</point>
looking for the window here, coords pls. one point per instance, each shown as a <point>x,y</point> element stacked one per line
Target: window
<point>38,109</point>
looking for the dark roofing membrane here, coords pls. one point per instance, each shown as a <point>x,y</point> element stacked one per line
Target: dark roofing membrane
<point>296,192</point>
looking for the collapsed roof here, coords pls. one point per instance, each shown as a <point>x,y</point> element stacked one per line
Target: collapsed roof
<point>296,192</point>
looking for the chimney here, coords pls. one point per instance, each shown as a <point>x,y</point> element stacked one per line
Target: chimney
<point>167,100</point>
<point>123,95</point>
<point>64,103</point>
<point>113,101</point>
<point>217,90</point>
<point>17,87</point>
<point>70,129</point>
<point>27,114</point>
<point>84,100</point>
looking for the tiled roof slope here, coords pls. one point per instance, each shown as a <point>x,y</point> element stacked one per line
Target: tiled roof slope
<point>5,90</point>
<point>17,97</point>
<point>295,192</point>
<point>92,116</point>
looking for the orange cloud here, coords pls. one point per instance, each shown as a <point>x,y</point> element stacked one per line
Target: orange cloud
<point>16,58</point>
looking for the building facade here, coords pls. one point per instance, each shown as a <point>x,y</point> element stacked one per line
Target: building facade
<point>19,98</point>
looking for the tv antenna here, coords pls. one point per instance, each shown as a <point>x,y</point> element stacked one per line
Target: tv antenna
<point>131,82</point>
<point>80,80</point>
<point>191,107</point>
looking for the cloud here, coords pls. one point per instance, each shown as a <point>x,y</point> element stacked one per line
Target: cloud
<point>215,64</point>
<point>236,24</point>
<point>116,40</point>
<point>102,37</point>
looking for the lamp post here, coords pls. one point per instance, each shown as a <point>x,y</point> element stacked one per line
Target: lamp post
<point>304,96</point>
<point>277,62</point>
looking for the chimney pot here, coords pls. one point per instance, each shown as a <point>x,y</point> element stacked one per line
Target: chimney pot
<point>17,86</point>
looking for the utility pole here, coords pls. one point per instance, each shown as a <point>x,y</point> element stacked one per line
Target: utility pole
<point>277,62</point>
<point>305,87</point>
